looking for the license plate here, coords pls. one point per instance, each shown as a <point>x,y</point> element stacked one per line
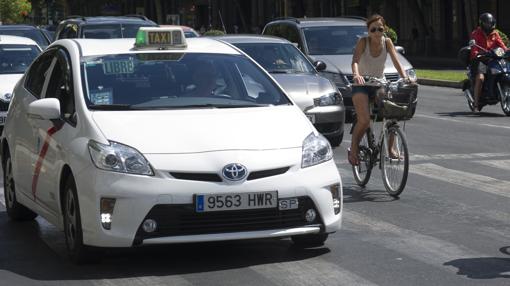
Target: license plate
<point>311,117</point>
<point>238,201</point>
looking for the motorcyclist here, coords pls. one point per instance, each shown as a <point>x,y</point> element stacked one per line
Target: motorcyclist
<point>488,38</point>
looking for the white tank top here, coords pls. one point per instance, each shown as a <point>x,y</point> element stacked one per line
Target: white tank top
<point>373,66</point>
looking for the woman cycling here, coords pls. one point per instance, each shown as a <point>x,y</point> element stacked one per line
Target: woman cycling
<point>368,60</point>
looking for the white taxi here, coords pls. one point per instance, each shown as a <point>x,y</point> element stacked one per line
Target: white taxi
<point>123,143</point>
<point>16,55</point>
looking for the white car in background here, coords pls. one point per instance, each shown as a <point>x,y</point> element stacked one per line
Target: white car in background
<point>125,144</point>
<point>16,55</point>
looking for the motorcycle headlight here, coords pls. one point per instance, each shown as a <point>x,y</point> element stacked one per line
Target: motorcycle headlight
<point>337,79</point>
<point>316,150</point>
<point>119,158</point>
<point>499,52</point>
<point>333,98</point>
<point>411,74</point>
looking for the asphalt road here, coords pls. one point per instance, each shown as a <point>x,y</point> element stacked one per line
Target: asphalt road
<point>451,225</point>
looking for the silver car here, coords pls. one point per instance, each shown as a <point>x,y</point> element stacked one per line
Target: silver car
<point>332,41</point>
<point>316,95</point>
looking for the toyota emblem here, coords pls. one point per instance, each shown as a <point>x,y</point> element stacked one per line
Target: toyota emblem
<point>234,172</point>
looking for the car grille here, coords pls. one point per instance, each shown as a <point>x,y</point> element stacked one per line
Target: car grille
<point>4,106</point>
<point>213,177</point>
<point>174,220</point>
<point>389,76</point>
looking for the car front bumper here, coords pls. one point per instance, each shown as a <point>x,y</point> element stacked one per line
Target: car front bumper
<point>137,197</point>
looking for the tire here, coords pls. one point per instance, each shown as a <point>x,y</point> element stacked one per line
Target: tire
<point>395,171</point>
<point>336,140</point>
<point>504,99</point>
<point>15,210</point>
<point>363,171</point>
<point>469,99</point>
<point>78,252</point>
<point>309,240</point>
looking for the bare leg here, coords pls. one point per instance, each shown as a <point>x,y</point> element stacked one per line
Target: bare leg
<point>478,90</point>
<point>360,101</point>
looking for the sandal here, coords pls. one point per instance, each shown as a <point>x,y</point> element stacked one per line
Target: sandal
<point>353,158</point>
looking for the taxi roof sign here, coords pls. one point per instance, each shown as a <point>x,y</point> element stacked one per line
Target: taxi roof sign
<point>160,38</point>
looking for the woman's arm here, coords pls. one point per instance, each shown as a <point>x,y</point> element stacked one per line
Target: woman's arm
<point>358,51</point>
<point>394,58</point>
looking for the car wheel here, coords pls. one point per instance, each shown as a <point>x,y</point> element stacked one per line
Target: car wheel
<point>78,252</point>
<point>15,210</point>
<point>336,140</point>
<point>310,240</point>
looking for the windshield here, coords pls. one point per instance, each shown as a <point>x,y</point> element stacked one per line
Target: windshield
<point>33,34</point>
<point>278,58</point>
<point>176,80</point>
<point>16,58</point>
<point>333,40</point>
<point>112,31</point>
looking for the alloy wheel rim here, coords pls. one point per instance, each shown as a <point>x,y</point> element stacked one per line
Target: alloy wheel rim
<point>71,219</point>
<point>9,184</point>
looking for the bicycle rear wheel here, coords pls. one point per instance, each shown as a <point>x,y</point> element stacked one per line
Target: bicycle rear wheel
<point>363,171</point>
<point>394,168</point>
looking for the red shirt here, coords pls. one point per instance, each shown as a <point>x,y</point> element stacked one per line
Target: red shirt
<point>488,42</point>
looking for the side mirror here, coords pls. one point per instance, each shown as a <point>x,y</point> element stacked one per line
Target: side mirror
<point>319,65</point>
<point>400,49</point>
<point>46,108</point>
<point>472,43</point>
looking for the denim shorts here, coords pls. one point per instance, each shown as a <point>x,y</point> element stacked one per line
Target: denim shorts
<point>370,91</point>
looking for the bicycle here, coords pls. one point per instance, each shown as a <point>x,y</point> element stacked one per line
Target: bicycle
<point>391,109</point>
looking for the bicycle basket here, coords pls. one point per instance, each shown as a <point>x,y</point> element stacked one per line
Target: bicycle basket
<point>400,103</point>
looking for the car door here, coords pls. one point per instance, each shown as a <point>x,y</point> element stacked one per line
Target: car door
<point>22,143</point>
<point>52,135</point>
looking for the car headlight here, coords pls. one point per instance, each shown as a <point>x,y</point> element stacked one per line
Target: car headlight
<point>333,98</point>
<point>411,74</point>
<point>316,150</point>
<point>6,97</point>
<point>119,158</point>
<point>336,78</point>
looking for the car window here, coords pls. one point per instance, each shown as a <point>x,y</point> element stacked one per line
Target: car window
<point>176,80</point>
<point>277,58</point>
<point>38,73</point>
<point>60,86</point>
<point>111,31</point>
<point>70,32</point>
<point>33,34</point>
<point>333,40</point>
<point>16,58</point>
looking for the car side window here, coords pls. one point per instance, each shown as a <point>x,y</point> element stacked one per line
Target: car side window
<point>70,31</point>
<point>38,73</point>
<point>60,86</point>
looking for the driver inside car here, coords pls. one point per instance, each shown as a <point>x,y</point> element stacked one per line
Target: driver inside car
<point>204,81</point>
<point>486,37</point>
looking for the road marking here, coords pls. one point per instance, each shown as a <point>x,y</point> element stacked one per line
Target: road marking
<point>148,280</point>
<point>464,179</point>
<point>315,271</point>
<point>500,164</point>
<point>417,157</point>
<point>421,247</point>
<point>461,121</point>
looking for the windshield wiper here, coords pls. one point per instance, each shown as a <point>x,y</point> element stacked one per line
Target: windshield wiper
<point>111,107</point>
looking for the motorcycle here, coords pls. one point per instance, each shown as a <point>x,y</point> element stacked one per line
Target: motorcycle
<point>496,86</point>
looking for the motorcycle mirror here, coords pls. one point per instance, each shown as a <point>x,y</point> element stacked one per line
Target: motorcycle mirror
<point>472,43</point>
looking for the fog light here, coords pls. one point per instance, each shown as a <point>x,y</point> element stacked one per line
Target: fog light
<point>149,225</point>
<point>106,211</point>
<point>310,215</point>
<point>335,193</point>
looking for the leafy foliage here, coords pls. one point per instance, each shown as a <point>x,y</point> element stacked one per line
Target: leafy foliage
<point>214,33</point>
<point>14,11</point>
<point>390,33</point>
<point>504,37</point>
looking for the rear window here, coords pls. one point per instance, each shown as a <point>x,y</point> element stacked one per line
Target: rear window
<point>33,34</point>
<point>333,40</point>
<point>112,31</point>
<point>16,58</point>
<point>176,80</point>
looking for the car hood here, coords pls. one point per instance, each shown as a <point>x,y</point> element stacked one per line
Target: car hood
<point>7,83</point>
<point>342,63</point>
<point>203,130</point>
<point>303,88</point>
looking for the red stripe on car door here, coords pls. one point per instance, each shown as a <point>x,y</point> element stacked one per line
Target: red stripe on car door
<point>40,159</point>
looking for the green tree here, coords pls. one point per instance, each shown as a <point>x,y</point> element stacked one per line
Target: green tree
<point>14,11</point>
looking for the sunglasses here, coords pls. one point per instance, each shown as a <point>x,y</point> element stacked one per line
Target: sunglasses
<point>373,30</point>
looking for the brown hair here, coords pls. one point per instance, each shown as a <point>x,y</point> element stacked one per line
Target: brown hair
<point>375,18</point>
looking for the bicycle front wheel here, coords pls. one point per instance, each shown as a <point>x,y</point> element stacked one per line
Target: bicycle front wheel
<point>394,161</point>
<point>363,171</point>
